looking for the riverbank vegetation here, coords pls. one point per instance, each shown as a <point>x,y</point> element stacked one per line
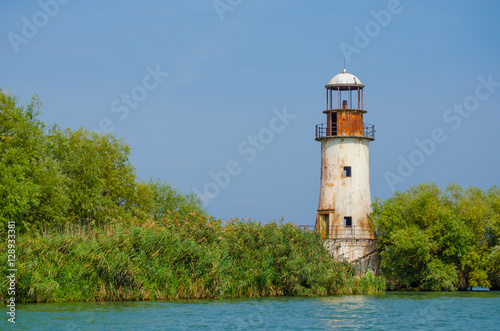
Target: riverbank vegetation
<point>180,259</point>
<point>87,229</point>
<point>433,239</point>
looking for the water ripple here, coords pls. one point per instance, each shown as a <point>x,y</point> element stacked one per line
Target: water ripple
<point>391,311</point>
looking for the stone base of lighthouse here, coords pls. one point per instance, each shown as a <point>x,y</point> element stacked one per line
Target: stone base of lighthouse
<point>362,252</point>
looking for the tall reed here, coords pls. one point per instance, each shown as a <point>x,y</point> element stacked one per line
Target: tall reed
<point>196,257</point>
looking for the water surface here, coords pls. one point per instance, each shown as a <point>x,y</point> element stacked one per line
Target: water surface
<point>390,311</point>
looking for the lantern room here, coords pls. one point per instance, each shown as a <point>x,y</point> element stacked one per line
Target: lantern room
<point>344,109</point>
<point>342,86</point>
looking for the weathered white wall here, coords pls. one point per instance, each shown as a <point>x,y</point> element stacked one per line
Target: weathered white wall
<point>362,250</point>
<point>346,196</point>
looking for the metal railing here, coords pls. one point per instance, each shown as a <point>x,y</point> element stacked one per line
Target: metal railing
<point>345,129</point>
<point>341,232</point>
<point>307,227</point>
<point>347,232</point>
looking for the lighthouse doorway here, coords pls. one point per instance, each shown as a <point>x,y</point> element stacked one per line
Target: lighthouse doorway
<point>324,225</point>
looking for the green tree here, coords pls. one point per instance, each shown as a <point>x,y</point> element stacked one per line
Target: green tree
<point>100,176</point>
<point>32,185</point>
<point>437,240</point>
<point>52,177</point>
<point>160,201</point>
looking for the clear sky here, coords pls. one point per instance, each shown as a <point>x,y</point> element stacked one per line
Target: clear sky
<point>222,96</point>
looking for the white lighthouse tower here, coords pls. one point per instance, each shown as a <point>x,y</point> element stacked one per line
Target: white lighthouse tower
<point>344,199</point>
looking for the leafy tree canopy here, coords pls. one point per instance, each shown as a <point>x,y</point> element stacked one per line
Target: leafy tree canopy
<point>437,239</point>
<point>51,177</point>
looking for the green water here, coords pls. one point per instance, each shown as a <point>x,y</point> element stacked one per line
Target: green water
<point>391,311</point>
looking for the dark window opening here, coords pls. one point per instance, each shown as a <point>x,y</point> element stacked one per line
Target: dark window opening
<point>347,171</point>
<point>334,123</point>
<point>347,221</point>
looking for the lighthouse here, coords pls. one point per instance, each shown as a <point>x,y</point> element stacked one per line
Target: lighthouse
<point>344,199</point>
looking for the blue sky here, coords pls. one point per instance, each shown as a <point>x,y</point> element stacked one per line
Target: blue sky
<point>225,69</point>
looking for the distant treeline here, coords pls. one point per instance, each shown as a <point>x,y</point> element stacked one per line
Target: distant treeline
<point>433,239</point>
<point>88,229</point>
<point>51,177</point>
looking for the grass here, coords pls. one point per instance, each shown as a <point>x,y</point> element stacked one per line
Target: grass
<point>193,258</point>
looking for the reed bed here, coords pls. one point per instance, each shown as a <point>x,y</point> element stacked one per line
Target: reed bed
<point>195,258</point>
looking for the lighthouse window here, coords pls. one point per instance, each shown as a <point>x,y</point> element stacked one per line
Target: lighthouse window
<point>347,171</point>
<point>347,221</point>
